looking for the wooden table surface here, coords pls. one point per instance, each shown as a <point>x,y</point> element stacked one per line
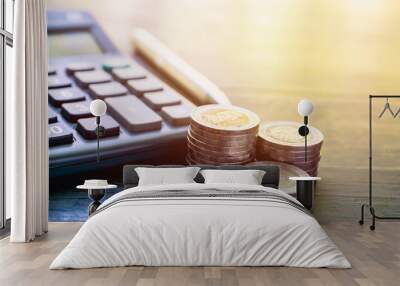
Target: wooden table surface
<point>267,55</point>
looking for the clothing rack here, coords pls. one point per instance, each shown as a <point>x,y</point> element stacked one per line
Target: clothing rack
<point>370,201</point>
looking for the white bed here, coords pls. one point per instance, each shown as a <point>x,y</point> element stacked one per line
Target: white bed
<point>185,230</point>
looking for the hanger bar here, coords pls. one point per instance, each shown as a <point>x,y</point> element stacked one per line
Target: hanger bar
<point>384,96</point>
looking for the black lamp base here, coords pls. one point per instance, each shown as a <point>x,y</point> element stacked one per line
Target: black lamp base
<point>95,195</point>
<point>305,192</point>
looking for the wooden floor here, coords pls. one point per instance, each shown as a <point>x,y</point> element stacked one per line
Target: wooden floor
<point>375,257</point>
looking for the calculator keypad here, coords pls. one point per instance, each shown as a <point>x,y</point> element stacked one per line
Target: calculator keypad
<point>56,81</point>
<point>90,77</point>
<point>158,99</point>
<point>65,95</point>
<point>134,72</point>
<point>133,114</point>
<point>87,127</point>
<point>115,63</point>
<point>137,101</point>
<point>177,115</point>
<point>52,116</point>
<point>108,89</point>
<point>79,66</point>
<point>76,110</point>
<point>51,70</point>
<point>59,134</point>
<point>141,86</point>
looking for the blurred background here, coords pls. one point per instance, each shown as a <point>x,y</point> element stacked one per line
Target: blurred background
<point>268,54</point>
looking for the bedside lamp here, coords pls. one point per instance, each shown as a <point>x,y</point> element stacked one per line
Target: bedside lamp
<point>98,108</point>
<point>305,108</point>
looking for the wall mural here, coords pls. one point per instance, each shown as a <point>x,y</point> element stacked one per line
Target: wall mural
<point>262,64</point>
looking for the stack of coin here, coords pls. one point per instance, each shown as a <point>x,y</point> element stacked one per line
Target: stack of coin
<point>222,135</point>
<point>280,141</point>
<point>285,172</point>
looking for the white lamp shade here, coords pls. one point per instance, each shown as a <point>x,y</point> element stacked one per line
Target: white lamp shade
<point>305,107</point>
<point>98,107</point>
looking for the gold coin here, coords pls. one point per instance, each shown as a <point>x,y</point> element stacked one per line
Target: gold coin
<point>205,132</point>
<point>189,161</point>
<point>219,159</point>
<point>224,118</point>
<point>269,147</point>
<point>219,153</point>
<point>284,155</point>
<point>312,172</point>
<point>220,148</point>
<point>285,133</point>
<point>290,160</point>
<point>285,172</point>
<point>223,141</point>
<point>200,161</point>
<point>308,168</point>
<point>215,132</point>
<point>293,151</point>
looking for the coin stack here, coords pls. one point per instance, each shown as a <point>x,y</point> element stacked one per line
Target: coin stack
<point>280,141</point>
<point>222,135</point>
<point>285,172</point>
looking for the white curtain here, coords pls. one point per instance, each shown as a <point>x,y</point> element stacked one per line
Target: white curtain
<point>26,124</point>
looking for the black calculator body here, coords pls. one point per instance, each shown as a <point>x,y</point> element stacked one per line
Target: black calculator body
<point>146,119</point>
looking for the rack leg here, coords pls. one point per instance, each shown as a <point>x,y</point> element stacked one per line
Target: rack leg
<point>361,221</point>
<point>372,211</point>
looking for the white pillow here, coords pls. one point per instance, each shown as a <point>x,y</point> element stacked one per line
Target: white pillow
<point>163,176</point>
<point>248,177</point>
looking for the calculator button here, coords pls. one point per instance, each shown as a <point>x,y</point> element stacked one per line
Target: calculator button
<point>51,115</point>
<point>56,81</point>
<point>108,89</point>
<point>158,99</point>
<point>123,75</point>
<point>79,66</point>
<point>51,70</point>
<point>141,86</point>
<point>65,95</point>
<point>87,127</point>
<point>116,63</point>
<point>75,110</point>
<point>133,114</point>
<point>59,134</point>
<point>90,77</point>
<point>177,115</point>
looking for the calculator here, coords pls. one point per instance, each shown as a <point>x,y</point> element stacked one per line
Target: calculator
<point>146,118</point>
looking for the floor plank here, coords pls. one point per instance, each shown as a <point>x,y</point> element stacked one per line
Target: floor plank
<point>375,257</point>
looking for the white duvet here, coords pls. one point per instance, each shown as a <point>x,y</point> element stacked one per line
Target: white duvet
<point>200,231</point>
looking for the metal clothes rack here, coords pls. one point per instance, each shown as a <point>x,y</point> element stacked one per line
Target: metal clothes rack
<point>370,202</point>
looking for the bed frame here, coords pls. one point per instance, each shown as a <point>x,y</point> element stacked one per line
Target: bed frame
<point>271,178</point>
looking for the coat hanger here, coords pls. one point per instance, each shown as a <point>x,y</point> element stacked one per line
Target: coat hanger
<point>397,113</point>
<point>387,107</point>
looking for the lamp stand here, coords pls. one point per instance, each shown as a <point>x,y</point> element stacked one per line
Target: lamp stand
<point>305,138</point>
<point>99,133</point>
<point>303,131</point>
